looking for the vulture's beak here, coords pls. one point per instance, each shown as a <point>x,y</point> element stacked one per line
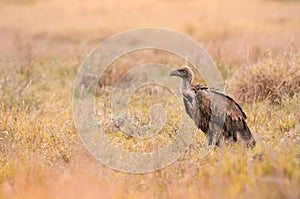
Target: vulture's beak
<point>174,73</point>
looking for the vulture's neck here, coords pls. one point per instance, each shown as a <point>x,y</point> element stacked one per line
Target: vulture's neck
<point>186,84</point>
<point>187,90</point>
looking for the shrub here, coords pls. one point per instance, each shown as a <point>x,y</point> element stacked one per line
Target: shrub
<point>273,78</point>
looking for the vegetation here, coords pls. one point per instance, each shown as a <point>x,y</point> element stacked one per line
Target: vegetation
<point>273,79</point>
<point>255,45</point>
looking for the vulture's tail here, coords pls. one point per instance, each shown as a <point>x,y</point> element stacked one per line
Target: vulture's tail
<point>247,136</point>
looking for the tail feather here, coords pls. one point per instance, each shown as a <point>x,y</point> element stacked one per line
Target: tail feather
<point>247,136</point>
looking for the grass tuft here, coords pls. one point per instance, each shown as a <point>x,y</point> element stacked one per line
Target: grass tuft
<point>273,78</point>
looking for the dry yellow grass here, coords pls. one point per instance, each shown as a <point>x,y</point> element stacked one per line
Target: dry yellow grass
<point>43,44</point>
<point>273,78</point>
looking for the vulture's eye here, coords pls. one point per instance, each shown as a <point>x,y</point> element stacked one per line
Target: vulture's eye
<point>181,70</point>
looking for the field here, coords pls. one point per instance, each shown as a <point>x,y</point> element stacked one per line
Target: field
<point>255,45</point>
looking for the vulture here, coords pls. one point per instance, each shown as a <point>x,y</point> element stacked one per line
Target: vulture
<point>214,112</point>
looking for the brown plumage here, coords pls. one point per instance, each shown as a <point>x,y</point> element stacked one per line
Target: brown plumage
<point>215,113</point>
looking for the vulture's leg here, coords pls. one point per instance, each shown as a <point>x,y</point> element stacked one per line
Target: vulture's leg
<point>213,134</point>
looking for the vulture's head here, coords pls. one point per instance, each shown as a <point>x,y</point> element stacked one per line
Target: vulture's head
<point>184,72</point>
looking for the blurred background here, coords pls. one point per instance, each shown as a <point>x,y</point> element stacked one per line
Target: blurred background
<point>235,30</point>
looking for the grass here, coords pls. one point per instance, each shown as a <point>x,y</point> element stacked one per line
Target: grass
<point>273,78</point>
<point>41,155</point>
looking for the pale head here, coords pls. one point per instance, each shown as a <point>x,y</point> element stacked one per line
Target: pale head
<point>184,72</point>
